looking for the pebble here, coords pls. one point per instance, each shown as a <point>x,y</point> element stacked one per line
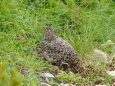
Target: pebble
<point>47,75</point>
<point>111,73</point>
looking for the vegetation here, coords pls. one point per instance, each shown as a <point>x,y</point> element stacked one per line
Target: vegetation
<point>85,24</point>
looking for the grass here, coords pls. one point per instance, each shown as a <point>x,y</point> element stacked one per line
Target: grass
<point>85,24</point>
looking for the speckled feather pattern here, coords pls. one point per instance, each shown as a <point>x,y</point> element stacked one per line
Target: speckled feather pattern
<point>58,51</point>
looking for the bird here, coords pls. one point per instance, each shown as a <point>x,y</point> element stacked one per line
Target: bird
<point>58,51</point>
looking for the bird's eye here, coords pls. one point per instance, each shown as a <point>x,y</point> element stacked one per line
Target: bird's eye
<point>48,29</point>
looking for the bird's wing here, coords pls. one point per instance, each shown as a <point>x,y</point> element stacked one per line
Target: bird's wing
<point>50,48</point>
<point>62,44</point>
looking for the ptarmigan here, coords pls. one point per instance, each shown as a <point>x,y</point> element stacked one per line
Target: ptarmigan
<point>58,51</point>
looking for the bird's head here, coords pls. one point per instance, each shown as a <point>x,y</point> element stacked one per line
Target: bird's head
<point>49,33</point>
<point>48,29</point>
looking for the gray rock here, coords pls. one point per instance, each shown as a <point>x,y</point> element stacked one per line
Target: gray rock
<point>47,75</point>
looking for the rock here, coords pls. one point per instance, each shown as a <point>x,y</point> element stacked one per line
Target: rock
<point>109,42</point>
<point>24,71</point>
<point>102,55</point>
<point>45,84</point>
<point>47,75</point>
<point>111,73</point>
<point>54,70</point>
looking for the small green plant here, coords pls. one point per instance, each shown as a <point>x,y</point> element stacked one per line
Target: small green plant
<point>69,77</point>
<point>8,77</point>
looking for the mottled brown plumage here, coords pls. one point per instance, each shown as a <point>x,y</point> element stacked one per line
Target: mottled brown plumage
<point>58,51</point>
